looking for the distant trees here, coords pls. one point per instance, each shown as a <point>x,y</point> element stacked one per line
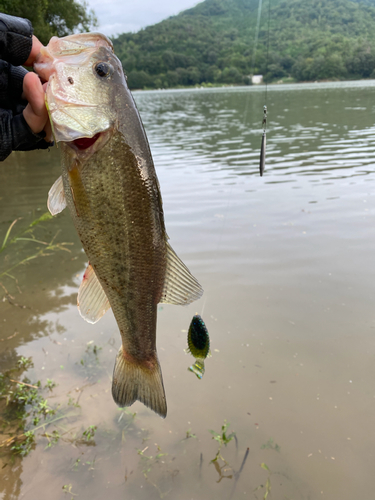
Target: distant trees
<point>52,17</point>
<point>213,43</point>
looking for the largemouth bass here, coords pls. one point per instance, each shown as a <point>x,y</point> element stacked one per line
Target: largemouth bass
<point>110,186</point>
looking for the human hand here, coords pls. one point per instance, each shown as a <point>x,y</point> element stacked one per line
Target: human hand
<point>35,49</point>
<point>35,113</point>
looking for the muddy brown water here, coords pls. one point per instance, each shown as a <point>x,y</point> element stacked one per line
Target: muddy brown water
<point>287,263</point>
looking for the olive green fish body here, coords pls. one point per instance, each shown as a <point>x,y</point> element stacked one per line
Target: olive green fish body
<point>117,214</point>
<point>110,186</point>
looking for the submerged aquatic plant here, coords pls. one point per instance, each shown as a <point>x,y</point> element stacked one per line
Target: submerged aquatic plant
<point>67,488</point>
<point>89,433</point>
<point>149,462</point>
<point>26,411</point>
<point>43,248</point>
<point>270,445</point>
<point>266,486</point>
<point>222,438</point>
<point>89,363</point>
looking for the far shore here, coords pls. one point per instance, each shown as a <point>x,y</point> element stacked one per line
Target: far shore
<point>287,81</point>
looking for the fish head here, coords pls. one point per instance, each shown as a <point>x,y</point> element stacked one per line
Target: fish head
<point>84,80</point>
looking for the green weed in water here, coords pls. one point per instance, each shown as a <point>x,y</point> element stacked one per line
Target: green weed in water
<point>92,348</point>
<point>79,464</point>
<point>25,363</point>
<point>266,486</point>
<point>50,384</point>
<point>90,363</point>
<point>89,433</point>
<point>270,445</point>
<point>53,438</point>
<point>222,438</point>
<point>189,434</point>
<point>26,411</point>
<point>67,488</point>
<point>127,418</point>
<point>43,248</point>
<point>25,444</point>
<point>149,462</point>
<point>71,402</point>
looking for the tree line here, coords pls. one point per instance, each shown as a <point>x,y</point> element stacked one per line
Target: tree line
<point>52,17</point>
<point>214,43</point>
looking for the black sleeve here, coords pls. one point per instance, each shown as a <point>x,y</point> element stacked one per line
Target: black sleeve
<point>16,135</point>
<point>15,39</point>
<point>11,87</point>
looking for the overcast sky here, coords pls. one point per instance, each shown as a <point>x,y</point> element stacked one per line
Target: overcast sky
<point>120,16</point>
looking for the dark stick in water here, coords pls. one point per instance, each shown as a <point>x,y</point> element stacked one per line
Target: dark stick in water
<point>238,473</point>
<point>200,465</point>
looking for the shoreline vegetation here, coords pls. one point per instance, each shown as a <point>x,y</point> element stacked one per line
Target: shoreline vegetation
<point>219,42</point>
<point>287,81</point>
<point>214,43</point>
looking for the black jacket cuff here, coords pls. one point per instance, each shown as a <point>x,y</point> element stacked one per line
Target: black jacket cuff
<point>15,39</point>
<point>24,139</point>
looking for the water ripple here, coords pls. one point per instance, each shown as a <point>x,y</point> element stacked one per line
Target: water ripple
<point>311,129</point>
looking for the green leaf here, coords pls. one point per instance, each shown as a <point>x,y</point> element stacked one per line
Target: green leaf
<point>42,218</point>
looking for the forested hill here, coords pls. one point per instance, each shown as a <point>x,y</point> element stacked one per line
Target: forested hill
<point>214,42</point>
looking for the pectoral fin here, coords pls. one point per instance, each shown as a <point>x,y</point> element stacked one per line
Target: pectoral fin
<point>180,286</point>
<point>56,197</point>
<point>92,301</point>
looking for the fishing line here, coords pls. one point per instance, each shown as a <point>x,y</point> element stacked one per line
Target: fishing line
<point>262,160</point>
<point>254,53</point>
<point>257,33</point>
<point>268,44</point>
<point>264,122</point>
<point>224,224</point>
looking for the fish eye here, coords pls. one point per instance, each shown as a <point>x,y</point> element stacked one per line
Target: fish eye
<point>102,69</point>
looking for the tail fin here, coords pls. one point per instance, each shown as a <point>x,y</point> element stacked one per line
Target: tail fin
<point>132,381</point>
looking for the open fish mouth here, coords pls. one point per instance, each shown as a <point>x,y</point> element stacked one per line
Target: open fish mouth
<point>86,146</point>
<point>86,142</point>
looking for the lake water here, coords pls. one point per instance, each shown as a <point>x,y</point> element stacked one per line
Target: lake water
<point>287,262</point>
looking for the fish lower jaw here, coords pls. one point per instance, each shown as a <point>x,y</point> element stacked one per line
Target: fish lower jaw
<point>86,146</point>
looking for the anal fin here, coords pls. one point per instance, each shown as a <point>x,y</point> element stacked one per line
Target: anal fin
<point>92,301</point>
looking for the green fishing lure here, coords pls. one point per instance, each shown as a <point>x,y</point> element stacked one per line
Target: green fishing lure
<point>198,344</point>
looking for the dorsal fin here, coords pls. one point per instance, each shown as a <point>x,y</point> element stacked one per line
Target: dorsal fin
<point>92,301</point>
<point>180,286</point>
<point>56,197</point>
